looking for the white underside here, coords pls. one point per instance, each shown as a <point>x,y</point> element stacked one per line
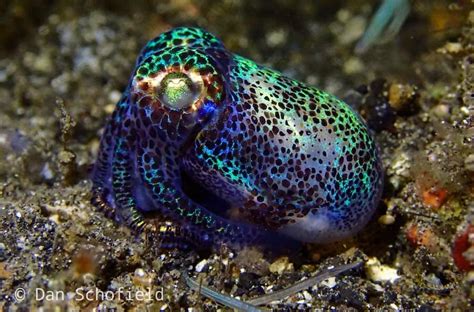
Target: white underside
<point>316,228</point>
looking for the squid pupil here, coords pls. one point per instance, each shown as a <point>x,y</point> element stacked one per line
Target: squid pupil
<point>177,90</point>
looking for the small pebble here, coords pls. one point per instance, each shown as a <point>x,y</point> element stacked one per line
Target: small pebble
<point>433,280</point>
<point>114,96</point>
<point>139,272</point>
<point>469,162</point>
<point>386,219</point>
<point>89,278</point>
<point>202,266</point>
<point>66,156</point>
<point>378,288</point>
<point>307,296</point>
<point>451,47</point>
<point>109,108</point>
<point>276,37</point>
<point>175,273</point>
<point>329,282</point>
<point>46,172</point>
<point>441,110</point>
<point>470,277</point>
<point>281,265</point>
<point>401,97</point>
<point>353,66</point>
<point>378,272</point>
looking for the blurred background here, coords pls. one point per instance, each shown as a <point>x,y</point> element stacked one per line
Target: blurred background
<point>64,65</point>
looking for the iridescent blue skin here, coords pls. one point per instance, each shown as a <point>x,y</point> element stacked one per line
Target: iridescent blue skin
<point>232,152</point>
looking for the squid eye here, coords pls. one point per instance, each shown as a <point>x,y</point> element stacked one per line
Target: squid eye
<point>179,90</point>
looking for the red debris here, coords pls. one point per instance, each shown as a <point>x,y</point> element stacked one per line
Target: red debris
<point>435,197</point>
<point>432,194</point>
<point>461,245</point>
<point>420,236</point>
